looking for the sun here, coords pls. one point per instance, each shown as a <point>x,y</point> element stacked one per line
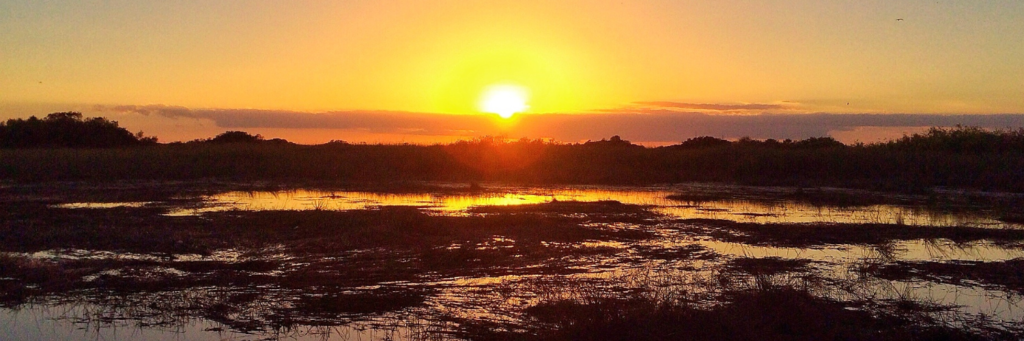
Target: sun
<point>504,100</point>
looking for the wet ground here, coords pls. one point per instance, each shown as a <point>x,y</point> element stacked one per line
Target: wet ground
<point>219,261</point>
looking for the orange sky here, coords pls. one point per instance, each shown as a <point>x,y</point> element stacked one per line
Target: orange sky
<point>789,57</point>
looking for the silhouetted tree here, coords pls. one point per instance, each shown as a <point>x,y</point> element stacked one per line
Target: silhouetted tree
<point>704,142</point>
<point>237,137</point>
<point>961,139</point>
<point>614,142</point>
<point>818,142</point>
<point>67,129</point>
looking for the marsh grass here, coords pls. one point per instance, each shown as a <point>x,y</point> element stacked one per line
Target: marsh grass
<point>768,265</point>
<point>1015,218</point>
<point>684,252</point>
<point>818,234</point>
<point>30,227</point>
<point>363,302</point>
<point>712,307</point>
<point>1002,205</point>
<point>814,197</point>
<point>1006,275</point>
<point>293,267</point>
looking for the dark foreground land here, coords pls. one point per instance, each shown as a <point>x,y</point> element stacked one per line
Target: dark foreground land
<point>67,147</point>
<point>555,270</point>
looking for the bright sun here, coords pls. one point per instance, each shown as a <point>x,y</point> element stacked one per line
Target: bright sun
<point>504,100</point>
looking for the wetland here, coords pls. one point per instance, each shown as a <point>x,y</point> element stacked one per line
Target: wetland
<point>220,260</point>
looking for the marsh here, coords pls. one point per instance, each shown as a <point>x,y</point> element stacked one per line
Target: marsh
<point>129,260</point>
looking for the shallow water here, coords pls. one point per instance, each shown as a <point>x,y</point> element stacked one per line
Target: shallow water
<point>914,250</point>
<point>69,322</point>
<point>104,204</point>
<point>464,295</point>
<point>656,197</point>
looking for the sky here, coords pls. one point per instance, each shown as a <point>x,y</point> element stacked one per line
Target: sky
<point>416,70</point>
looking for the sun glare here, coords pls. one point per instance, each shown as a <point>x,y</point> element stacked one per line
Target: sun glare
<point>504,100</point>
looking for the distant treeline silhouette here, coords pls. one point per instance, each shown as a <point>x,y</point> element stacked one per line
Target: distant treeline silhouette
<point>229,137</point>
<point>962,157</point>
<point>67,129</point>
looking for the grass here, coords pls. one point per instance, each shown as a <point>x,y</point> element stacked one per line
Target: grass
<point>567,207</point>
<point>685,252</point>
<point>819,234</point>
<point>768,265</point>
<point>782,314</point>
<point>30,227</point>
<point>945,200</point>
<point>815,197</point>
<point>375,301</point>
<point>773,310</point>
<point>1006,275</point>
<point>304,264</point>
<point>1015,218</point>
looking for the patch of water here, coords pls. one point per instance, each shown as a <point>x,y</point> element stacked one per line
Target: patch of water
<point>69,322</point>
<point>227,255</point>
<point>57,322</point>
<point>971,301</point>
<point>911,250</point>
<point>82,254</point>
<point>655,197</point>
<point>98,205</point>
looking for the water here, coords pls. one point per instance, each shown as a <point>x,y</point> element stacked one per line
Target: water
<point>655,197</point>
<point>474,296</point>
<point>72,322</point>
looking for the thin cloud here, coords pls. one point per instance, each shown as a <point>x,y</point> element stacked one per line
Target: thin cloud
<point>374,121</point>
<point>715,106</point>
<point>636,124</point>
<point>156,109</point>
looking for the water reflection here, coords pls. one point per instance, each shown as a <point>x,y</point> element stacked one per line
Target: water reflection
<point>489,279</point>
<point>730,209</point>
<point>79,322</point>
<point>88,205</point>
<point>911,250</point>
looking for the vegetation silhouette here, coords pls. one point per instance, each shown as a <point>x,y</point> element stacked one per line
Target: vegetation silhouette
<point>236,137</point>
<point>67,129</point>
<point>958,157</point>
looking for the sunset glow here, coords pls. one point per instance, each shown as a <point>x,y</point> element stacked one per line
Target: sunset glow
<point>511,170</point>
<point>241,60</point>
<point>504,100</point>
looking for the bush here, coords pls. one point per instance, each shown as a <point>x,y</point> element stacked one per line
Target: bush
<point>67,129</point>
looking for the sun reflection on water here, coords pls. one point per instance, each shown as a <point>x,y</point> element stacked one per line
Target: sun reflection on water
<point>673,251</point>
<point>457,203</point>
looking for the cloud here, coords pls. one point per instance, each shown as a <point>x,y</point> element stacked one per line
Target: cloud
<point>161,110</point>
<point>678,126</point>
<point>373,121</point>
<point>635,125</point>
<point>715,106</point>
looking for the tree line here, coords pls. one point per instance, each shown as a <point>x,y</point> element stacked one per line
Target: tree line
<point>963,157</point>
<point>68,129</point>
<point>73,130</point>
